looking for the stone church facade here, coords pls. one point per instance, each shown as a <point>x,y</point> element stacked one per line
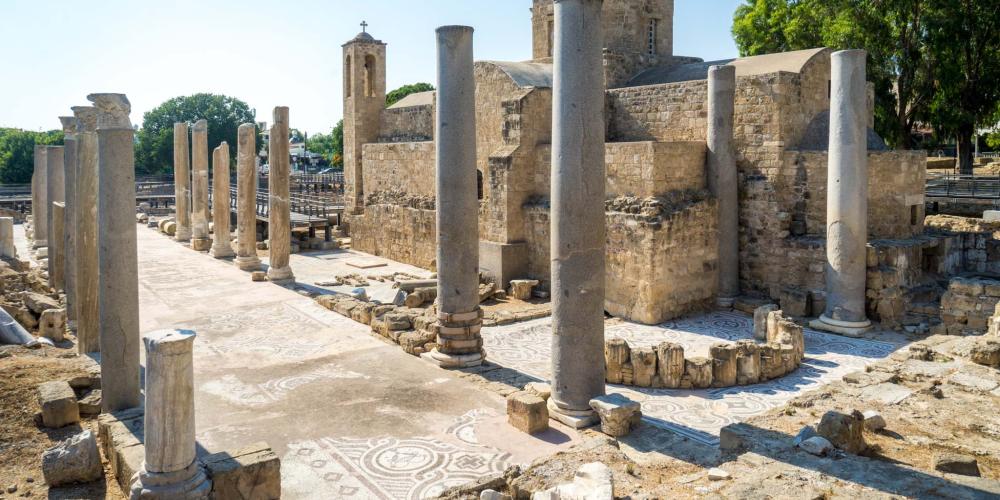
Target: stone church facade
<point>662,222</point>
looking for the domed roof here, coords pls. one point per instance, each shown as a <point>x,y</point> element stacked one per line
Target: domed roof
<point>364,37</point>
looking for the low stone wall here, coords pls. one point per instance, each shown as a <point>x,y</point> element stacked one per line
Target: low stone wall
<point>968,305</point>
<point>742,363</point>
<point>396,232</point>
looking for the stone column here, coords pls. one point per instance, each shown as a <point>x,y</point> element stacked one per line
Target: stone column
<point>199,187</point>
<point>722,178</point>
<point>847,197</point>
<point>7,248</point>
<point>460,343</point>
<point>56,187</point>
<point>88,314</point>
<point>40,198</point>
<point>57,266</point>
<point>169,470</point>
<point>279,224</point>
<point>70,169</point>
<point>246,199</point>
<point>222,245</point>
<point>578,227</point>
<point>118,297</point>
<point>182,182</point>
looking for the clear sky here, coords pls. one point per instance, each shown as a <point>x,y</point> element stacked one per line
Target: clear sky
<point>267,53</point>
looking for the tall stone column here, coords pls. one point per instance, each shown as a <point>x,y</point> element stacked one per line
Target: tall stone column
<point>169,470</point>
<point>182,182</point>
<point>57,265</point>
<point>722,178</point>
<point>199,187</point>
<point>279,224</point>
<point>578,227</point>
<point>54,158</point>
<point>87,268</point>
<point>118,297</point>
<point>222,245</point>
<point>7,248</point>
<point>70,169</point>
<point>459,317</point>
<point>246,199</point>
<point>40,198</point>
<point>847,197</point>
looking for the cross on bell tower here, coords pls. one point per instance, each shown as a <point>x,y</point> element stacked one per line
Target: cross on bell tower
<point>364,26</point>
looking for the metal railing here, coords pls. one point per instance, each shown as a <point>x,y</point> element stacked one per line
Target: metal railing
<point>963,186</point>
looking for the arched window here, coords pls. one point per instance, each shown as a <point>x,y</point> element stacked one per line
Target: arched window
<point>370,76</point>
<point>479,184</point>
<point>348,80</point>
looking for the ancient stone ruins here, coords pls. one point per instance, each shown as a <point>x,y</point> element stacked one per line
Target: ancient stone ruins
<point>684,278</point>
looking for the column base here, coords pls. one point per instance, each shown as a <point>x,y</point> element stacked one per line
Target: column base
<point>575,419</point>
<point>221,252</point>
<point>854,329</point>
<point>248,263</point>
<point>190,483</point>
<point>182,234</point>
<point>201,244</point>
<point>725,302</point>
<point>281,275</point>
<point>452,361</point>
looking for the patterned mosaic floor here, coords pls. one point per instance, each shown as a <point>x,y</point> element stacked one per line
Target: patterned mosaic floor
<point>697,414</point>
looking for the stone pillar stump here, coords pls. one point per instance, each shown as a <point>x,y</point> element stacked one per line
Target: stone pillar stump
<point>182,182</point>
<point>222,245</point>
<point>246,199</point>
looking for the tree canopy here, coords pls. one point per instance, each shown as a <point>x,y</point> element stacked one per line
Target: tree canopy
<point>17,152</point>
<point>398,94</point>
<point>932,61</point>
<point>155,140</point>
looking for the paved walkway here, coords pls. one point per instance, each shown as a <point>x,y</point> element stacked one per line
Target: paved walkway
<point>350,416</point>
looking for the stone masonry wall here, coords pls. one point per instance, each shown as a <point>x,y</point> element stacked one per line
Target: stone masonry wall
<point>410,124</point>
<point>396,232</point>
<point>670,112</point>
<point>406,167</point>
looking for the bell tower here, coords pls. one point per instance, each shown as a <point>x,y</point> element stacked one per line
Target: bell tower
<point>364,100</point>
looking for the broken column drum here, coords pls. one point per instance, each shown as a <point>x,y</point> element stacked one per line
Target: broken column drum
<point>87,333</point>
<point>70,171</point>
<point>169,469</point>
<point>40,197</point>
<point>118,297</point>
<point>847,197</point>
<point>722,177</point>
<point>56,179</point>
<point>182,182</point>
<point>578,192</point>
<point>279,222</point>
<point>460,343</point>
<point>222,246</point>
<point>246,199</point>
<point>199,187</point>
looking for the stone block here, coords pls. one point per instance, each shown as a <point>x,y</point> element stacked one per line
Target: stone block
<point>747,362</point>
<point>39,303</point>
<point>760,316</point>
<point>52,324</point>
<point>618,414</point>
<point>873,420</point>
<point>724,364</point>
<point>699,371</point>
<point>954,463</point>
<point>539,389</point>
<point>670,365</point>
<point>90,404</point>
<point>616,354</point>
<point>843,430</point>
<point>794,302</point>
<point>58,403</point>
<point>258,276</point>
<point>249,473</point>
<point>527,412</point>
<point>643,366</point>
<point>75,460</point>
<point>522,289</point>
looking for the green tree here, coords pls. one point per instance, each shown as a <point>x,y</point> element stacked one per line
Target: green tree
<point>892,31</point>
<point>155,140</point>
<point>338,145</point>
<point>17,152</point>
<point>321,144</point>
<point>398,94</point>
<point>965,36</point>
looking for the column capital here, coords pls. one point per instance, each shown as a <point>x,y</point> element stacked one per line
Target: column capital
<point>86,117</point>
<point>113,110</point>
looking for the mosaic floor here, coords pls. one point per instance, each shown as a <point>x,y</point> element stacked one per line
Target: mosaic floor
<point>697,414</point>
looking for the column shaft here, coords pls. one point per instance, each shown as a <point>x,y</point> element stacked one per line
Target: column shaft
<point>847,195</point>
<point>182,182</point>
<point>279,216</point>
<point>578,220</point>
<point>70,168</point>
<point>222,246</point>
<point>56,193</point>
<point>40,197</point>
<point>199,187</point>
<point>722,177</point>
<point>246,199</point>
<point>87,290</point>
<point>459,317</point>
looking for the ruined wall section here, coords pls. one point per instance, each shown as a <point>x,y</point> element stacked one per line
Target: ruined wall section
<point>669,112</point>
<point>409,124</point>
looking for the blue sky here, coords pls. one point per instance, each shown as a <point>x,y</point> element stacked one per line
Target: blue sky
<point>268,53</point>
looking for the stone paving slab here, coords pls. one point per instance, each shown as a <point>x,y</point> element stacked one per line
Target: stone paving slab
<point>350,415</point>
<point>697,414</point>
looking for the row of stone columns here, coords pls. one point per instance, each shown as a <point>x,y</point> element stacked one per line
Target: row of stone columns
<point>192,202</point>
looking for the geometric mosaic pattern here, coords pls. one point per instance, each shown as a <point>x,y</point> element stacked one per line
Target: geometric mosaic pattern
<point>697,414</point>
<point>391,468</point>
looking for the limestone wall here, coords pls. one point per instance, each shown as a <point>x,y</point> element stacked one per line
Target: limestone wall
<point>396,232</point>
<point>670,112</point>
<point>405,167</point>
<point>409,124</point>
